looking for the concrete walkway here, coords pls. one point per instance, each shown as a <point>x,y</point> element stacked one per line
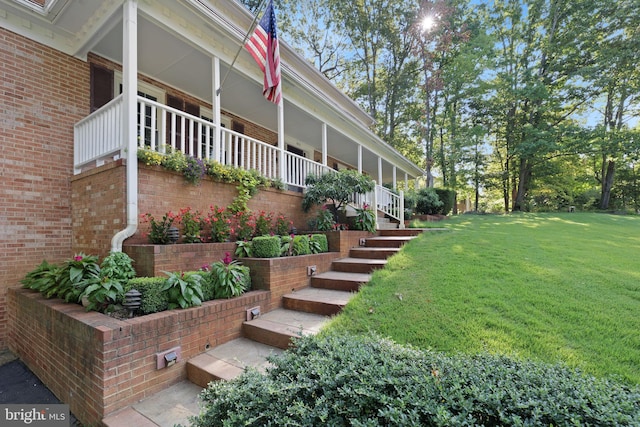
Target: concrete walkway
<point>179,402</point>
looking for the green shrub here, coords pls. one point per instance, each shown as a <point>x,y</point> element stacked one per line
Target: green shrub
<point>184,290</point>
<point>301,245</point>
<point>44,279</point>
<point>286,247</point>
<point>325,221</point>
<point>448,198</point>
<point>207,284</point>
<point>367,381</point>
<point>117,266</point>
<point>321,242</point>
<point>154,299</point>
<point>102,295</point>
<point>266,246</point>
<point>75,275</point>
<point>230,278</point>
<point>428,202</point>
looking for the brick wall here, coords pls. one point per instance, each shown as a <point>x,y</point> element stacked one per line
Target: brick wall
<point>98,364</point>
<point>285,275</point>
<point>154,260</point>
<point>42,94</point>
<point>98,202</point>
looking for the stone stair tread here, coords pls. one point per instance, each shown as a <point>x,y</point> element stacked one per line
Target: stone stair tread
<point>344,276</point>
<point>290,322</point>
<point>392,238</point>
<point>378,249</point>
<point>243,352</point>
<point>327,296</point>
<point>373,252</point>
<point>370,261</point>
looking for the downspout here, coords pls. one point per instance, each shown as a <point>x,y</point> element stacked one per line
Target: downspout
<point>130,92</point>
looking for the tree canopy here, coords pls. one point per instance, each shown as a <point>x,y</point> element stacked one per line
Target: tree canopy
<point>517,104</point>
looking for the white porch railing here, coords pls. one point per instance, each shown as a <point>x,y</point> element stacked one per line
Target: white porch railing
<point>99,136</point>
<point>385,201</point>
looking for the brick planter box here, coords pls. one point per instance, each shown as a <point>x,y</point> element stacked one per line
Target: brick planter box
<point>342,241</point>
<point>154,260</point>
<point>98,364</point>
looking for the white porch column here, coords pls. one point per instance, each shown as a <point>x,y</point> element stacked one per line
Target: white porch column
<point>359,158</point>
<point>324,144</point>
<point>283,166</point>
<point>395,187</point>
<point>406,181</point>
<point>215,75</point>
<point>379,170</point>
<point>129,118</point>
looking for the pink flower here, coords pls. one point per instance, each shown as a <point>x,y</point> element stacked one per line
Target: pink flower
<point>227,258</point>
<point>77,258</point>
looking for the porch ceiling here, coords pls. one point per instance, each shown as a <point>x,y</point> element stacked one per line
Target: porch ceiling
<point>167,53</point>
<point>167,58</point>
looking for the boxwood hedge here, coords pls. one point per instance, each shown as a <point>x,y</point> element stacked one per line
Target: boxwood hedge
<point>368,381</point>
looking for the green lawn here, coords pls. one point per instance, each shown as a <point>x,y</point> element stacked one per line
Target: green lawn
<point>549,287</point>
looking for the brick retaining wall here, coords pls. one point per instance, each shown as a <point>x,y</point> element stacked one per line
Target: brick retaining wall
<point>98,364</point>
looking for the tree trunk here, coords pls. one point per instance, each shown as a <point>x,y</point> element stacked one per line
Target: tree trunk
<point>607,184</point>
<point>523,186</point>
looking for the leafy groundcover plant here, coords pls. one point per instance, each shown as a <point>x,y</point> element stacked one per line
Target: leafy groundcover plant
<point>346,380</point>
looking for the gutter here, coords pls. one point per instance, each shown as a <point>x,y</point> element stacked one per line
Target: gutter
<point>129,118</point>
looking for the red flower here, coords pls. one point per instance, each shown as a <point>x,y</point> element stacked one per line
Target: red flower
<point>77,258</point>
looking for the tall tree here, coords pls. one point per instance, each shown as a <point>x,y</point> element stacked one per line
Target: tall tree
<point>616,40</point>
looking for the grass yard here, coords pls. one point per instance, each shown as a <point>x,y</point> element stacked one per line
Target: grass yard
<point>549,287</point>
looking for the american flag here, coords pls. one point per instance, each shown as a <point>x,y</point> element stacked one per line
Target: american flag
<point>263,46</point>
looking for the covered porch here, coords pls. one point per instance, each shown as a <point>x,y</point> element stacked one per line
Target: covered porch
<point>165,46</point>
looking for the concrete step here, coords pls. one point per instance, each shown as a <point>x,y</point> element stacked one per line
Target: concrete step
<point>357,265</point>
<point>277,327</point>
<point>373,253</point>
<point>228,360</point>
<point>386,225</point>
<point>326,302</point>
<point>340,281</point>
<point>387,241</point>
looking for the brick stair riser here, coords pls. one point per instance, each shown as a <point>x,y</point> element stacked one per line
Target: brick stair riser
<point>337,285</point>
<point>372,243</point>
<point>265,336</point>
<point>316,307</point>
<point>366,254</point>
<point>355,267</point>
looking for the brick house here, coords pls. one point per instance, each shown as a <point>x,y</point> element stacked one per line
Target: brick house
<point>84,83</point>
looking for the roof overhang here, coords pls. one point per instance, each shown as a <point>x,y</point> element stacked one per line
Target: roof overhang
<point>177,40</point>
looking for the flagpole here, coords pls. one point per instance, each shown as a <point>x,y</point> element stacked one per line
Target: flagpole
<point>246,37</point>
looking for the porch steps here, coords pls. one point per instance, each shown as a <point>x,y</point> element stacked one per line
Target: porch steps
<point>386,224</point>
<point>304,312</point>
<point>326,302</point>
<point>341,281</point>
<point>372,252</point>
<point>358,265</point>
<point>228,360</point>
<point>279,326</point>
<point>388,241</point>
